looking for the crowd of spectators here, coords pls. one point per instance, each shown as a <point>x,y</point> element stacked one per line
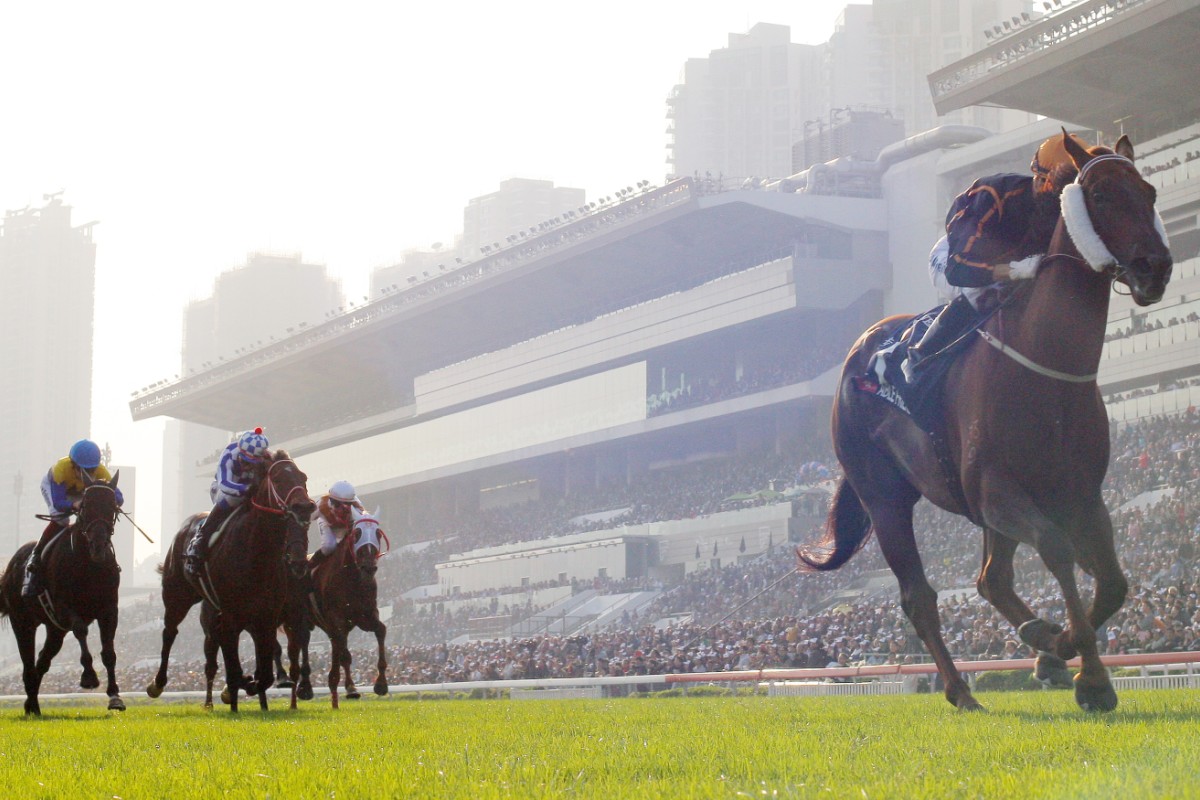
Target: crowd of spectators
<point>762,613</point>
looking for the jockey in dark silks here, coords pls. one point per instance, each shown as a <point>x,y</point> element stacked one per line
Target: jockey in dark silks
<point>987,220</point>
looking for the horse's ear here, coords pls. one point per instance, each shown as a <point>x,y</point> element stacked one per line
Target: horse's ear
<point>1076,151</point>
<point>1125,147</point>
<point>376,514</point>
<point>116,476</point>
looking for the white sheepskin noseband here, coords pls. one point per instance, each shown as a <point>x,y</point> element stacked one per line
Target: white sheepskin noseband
<point>1079,224</point>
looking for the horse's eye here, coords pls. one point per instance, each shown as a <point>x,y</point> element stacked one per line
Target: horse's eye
<point>1099,198</point>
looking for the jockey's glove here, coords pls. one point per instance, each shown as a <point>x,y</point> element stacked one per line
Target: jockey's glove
<point>1018,270</point>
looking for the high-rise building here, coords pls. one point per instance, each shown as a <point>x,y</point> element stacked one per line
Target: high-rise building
<point>268,298</point>
<point>48,267</point>
<point>740,112</point>
<point>521,204</point>
<point>737,113</point>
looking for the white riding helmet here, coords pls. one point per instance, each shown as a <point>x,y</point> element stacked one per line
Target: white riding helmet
<point>344,491</point>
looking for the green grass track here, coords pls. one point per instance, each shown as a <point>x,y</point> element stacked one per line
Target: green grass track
<point>1030,745</point>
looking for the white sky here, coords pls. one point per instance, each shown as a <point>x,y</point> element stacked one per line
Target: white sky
<point>347,132</point>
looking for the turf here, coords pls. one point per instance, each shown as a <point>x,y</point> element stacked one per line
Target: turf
<point>1030,745</point>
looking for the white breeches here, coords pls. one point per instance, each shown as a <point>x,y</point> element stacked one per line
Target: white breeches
<point>937,273</point>
<point>221,494</point>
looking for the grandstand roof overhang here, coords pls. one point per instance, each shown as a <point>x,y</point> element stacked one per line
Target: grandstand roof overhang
<point>366,358</point>
<point>1108,66</point>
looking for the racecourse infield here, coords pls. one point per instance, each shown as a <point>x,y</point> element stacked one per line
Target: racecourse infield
<point>1028,745</point>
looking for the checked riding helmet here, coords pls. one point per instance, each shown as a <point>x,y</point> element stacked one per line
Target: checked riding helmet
<point>252,445</point>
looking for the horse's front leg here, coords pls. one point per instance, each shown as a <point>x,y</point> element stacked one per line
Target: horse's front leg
<point>264,661</point>
<point>107,623</point>
<point>376,626</point>
<point>995,584</point>
<point>234,678</point>
<point>337,646</point>
<point>79,629</point>
<point>304,689</point>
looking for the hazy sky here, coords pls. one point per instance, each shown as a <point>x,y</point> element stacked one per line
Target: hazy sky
<point>348,133</point>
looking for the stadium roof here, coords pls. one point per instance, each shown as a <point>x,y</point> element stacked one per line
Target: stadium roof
<point>365,359</point>
<point>1109,65</point>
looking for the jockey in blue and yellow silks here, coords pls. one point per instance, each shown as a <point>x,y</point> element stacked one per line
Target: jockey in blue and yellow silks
<point>62,489</point>
<point>232,483</point>
<point>984,225</point>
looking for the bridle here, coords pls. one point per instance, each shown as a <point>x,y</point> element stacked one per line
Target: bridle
<point>1093,253</point>
<point>88,530</point>
<point>277,503</point>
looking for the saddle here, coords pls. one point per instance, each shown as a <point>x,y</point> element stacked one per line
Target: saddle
<point>885,379</point>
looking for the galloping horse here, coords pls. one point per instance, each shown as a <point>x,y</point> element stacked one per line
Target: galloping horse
<point>1022,446</point>
<point>345,596</point>
<point>243,585</point>
<point>82,578</point>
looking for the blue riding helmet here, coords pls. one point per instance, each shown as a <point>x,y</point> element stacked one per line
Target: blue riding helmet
<point>85,454</point>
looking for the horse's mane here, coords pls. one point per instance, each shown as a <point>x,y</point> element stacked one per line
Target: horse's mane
<point>1047,204</point>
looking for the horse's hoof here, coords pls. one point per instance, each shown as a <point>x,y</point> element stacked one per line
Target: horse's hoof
<point>304,692</point>
<point>381,688</point>
<point>208,706</point>
<point>87,681</point>
<point>226,696</point>
<point>1037,631</point>
<point>1051,671</point>
<point>1095,698</point>
<point>285,683</point>
<point>154,690</point>
<point>353,694</point>
<point>115,703</point>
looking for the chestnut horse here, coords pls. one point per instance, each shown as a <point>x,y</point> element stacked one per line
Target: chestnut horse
<point>1022,445</point>
<point>244,579</point>
<point>82,578</point>
<point>344,597</point>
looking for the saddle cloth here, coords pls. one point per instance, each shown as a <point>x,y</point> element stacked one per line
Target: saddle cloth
<point>885,379</point>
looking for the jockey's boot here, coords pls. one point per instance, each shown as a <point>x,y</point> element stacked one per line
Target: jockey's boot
<point>316,559</point>
<point>197,549</point>
<point>33,584</point>
<point>944,329</point>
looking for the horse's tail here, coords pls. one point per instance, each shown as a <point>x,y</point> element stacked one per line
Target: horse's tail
<point>847,529</point>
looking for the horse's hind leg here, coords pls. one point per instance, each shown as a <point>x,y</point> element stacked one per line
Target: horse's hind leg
<point>107,623</point>
<point>210,668</point>
<point>352,692</point>
<point>26,635</point>
<point>995,584</point>
<point>176,608</point>
<point>894,528</point>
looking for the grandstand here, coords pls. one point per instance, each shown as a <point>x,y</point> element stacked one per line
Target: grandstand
<point>633,397</point>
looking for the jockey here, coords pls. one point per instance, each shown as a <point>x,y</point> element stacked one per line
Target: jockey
<point>62,489</point>
<point>984,225</point>
<point>230,487</point>
<point>335,516</point>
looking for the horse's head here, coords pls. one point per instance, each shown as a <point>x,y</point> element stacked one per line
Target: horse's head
<point>97,518</point>
<point>1109,214</point>
<point>368,539</point>
<point>284,490</point>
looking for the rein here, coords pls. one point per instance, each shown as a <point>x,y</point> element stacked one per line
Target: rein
<point>279,505</point>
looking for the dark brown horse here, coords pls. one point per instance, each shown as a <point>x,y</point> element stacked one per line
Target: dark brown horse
<point>82,579</point>
<point>344,597</point>
<point>245,578</point>
<point>1023,435</point>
